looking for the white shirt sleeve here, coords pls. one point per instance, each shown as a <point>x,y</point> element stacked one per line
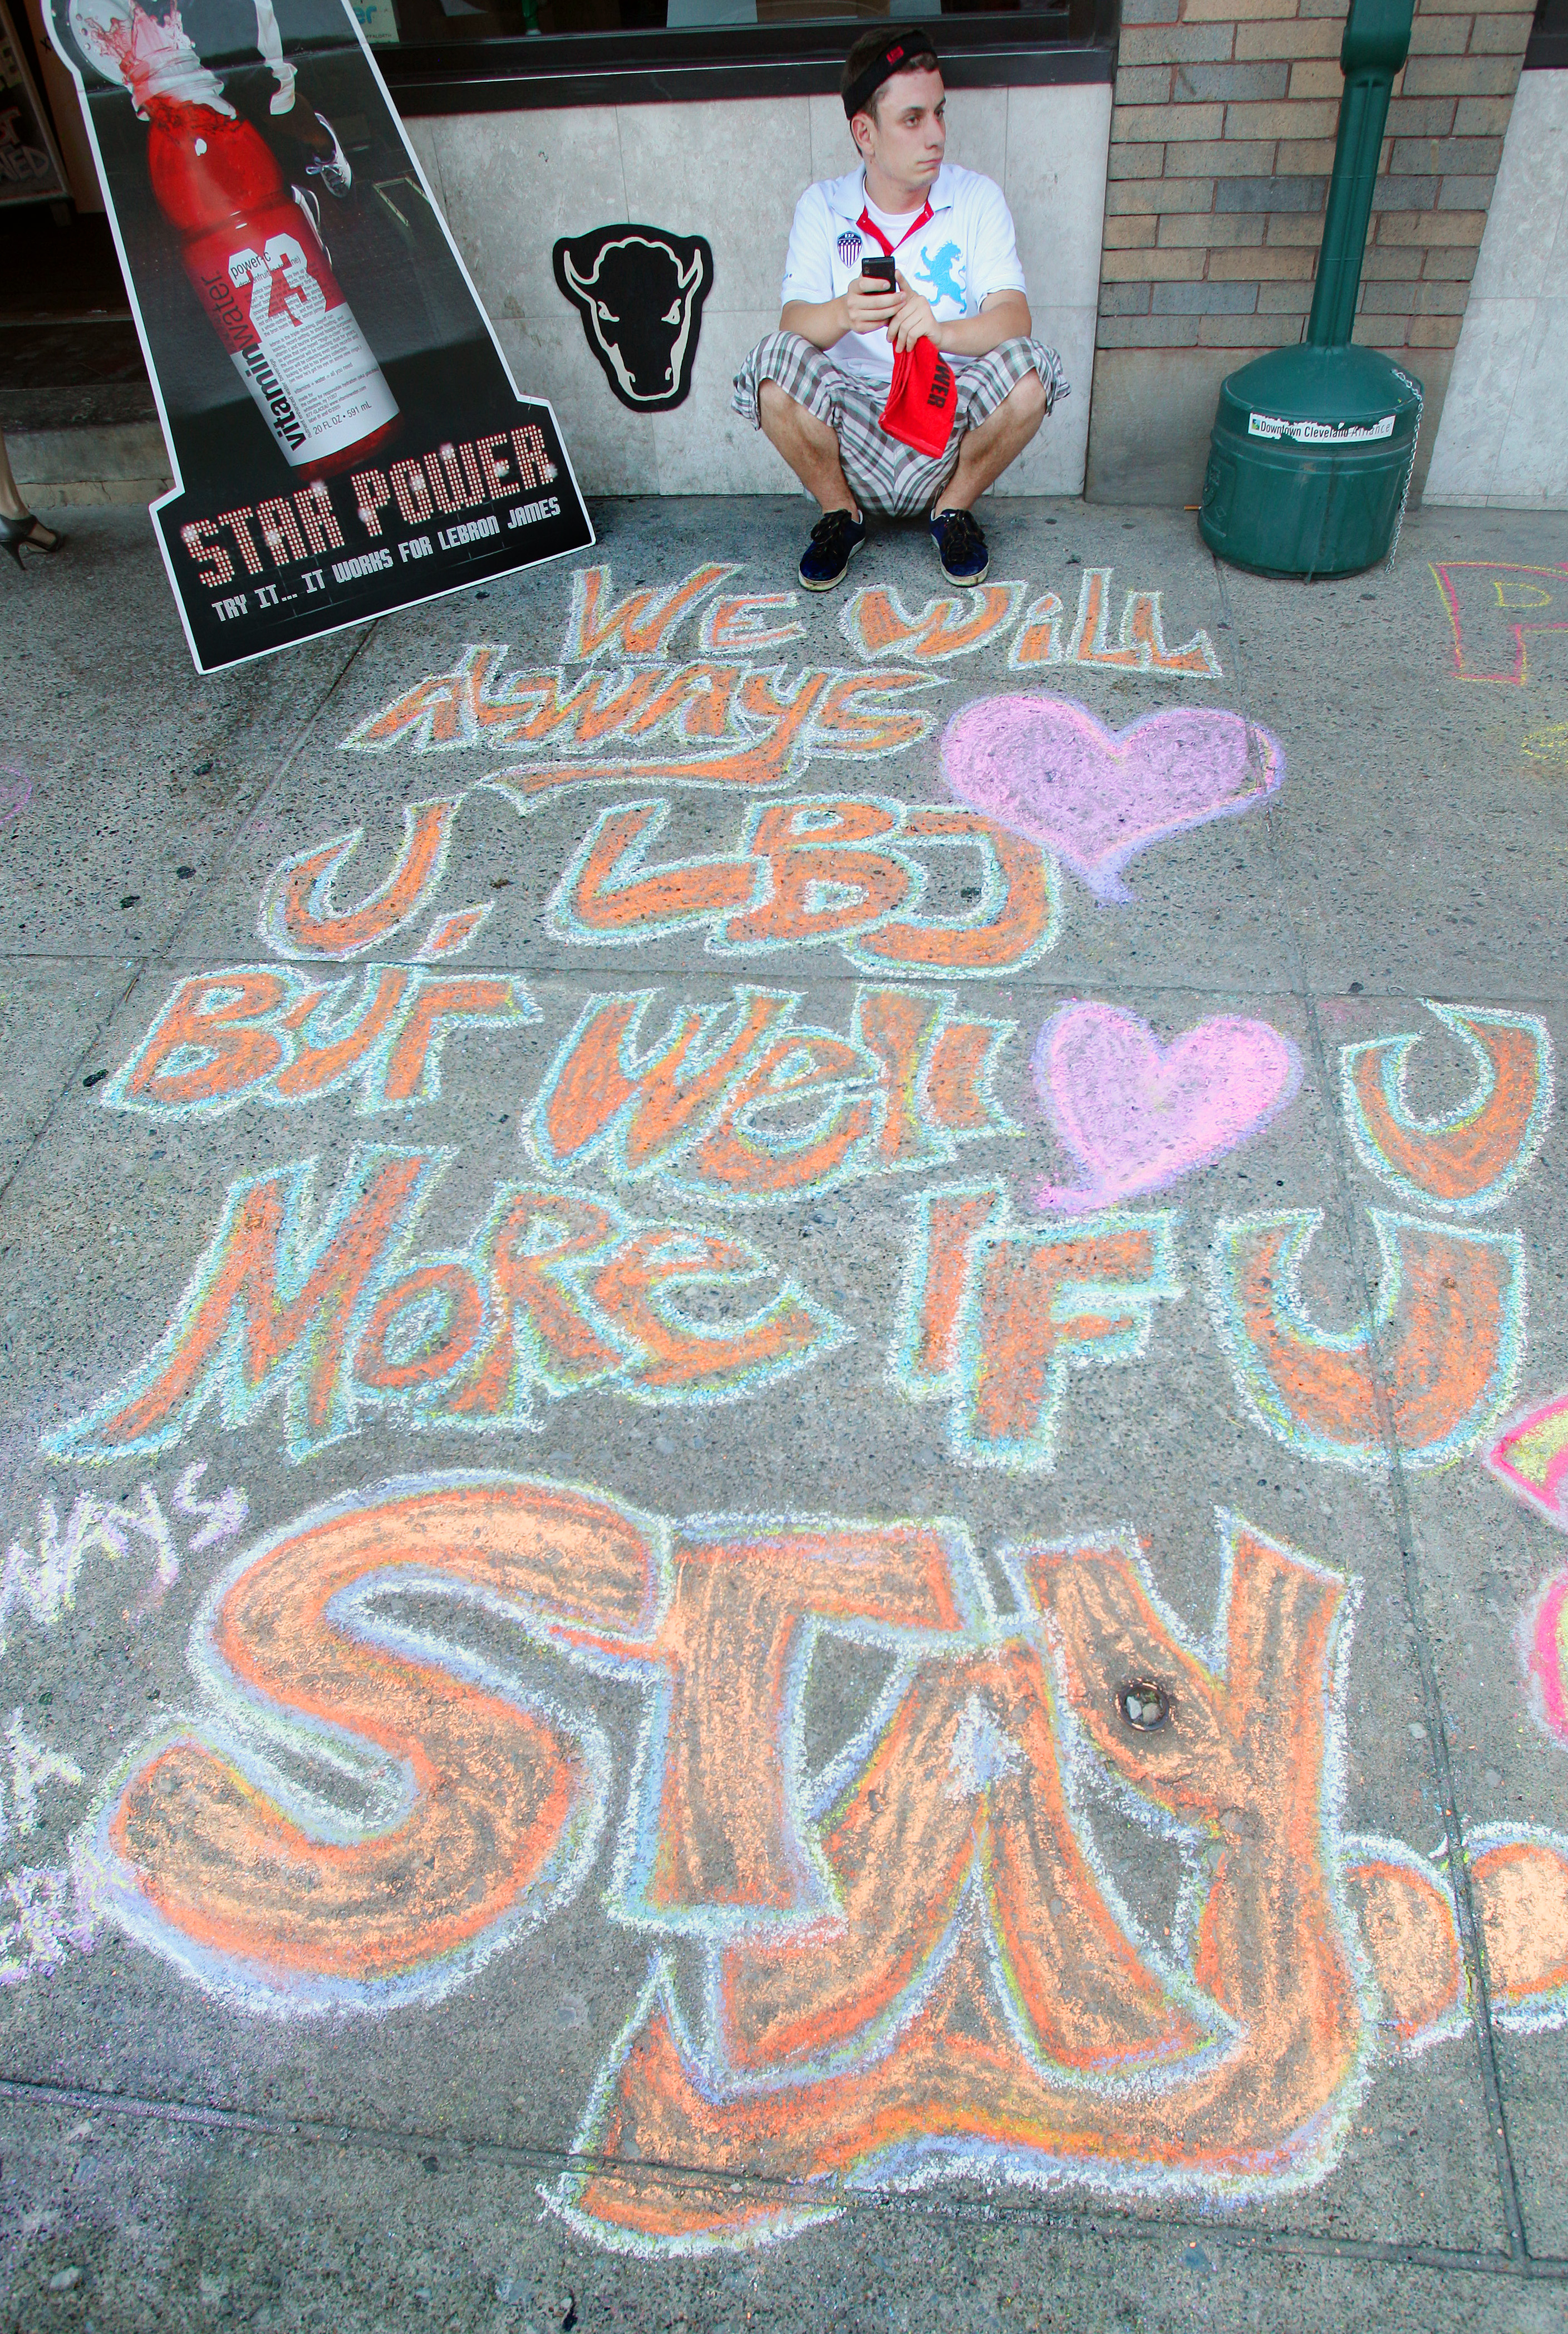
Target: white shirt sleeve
<point>808,268</point>
<point>994,261</point>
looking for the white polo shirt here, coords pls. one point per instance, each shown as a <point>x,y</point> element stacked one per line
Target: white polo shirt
<point>966,251</point>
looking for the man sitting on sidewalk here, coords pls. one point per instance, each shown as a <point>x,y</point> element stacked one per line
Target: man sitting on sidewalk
<point>818,385</point>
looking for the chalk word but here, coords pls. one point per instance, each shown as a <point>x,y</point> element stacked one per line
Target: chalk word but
<point>325,1314</point>
<point>40,1581</point>
<point>1494,609</point>
<point>820,868</point>
<point>877,626</point>
<point>916,1961</point>
<point>1473,1156</point>
<point>265,1033</point>
<point>738,726</point>
<point>742,1102</point>
<point>1445,1342</point>
<point>995,1314</point>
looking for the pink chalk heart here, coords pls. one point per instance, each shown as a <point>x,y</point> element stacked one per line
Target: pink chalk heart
<point>1045,768</point>
<point>1137,1114</point>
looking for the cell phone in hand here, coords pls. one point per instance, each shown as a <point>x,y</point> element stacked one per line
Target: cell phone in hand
<point>880,269</point>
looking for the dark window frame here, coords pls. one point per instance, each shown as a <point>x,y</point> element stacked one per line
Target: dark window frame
<point>1071,43</point>
<point>1548,47</point>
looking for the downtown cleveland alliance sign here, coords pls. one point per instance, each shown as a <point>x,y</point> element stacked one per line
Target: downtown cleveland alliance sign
<point>345,434</point>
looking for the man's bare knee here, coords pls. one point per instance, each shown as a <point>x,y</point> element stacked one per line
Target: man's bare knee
<point>1026,401</point>
<point>776,406</point>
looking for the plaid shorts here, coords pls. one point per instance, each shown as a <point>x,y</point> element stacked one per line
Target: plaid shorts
<point>884,474</point>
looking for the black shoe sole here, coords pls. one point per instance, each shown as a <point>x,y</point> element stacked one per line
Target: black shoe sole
<point>964,583</point>
<point>831,583</point>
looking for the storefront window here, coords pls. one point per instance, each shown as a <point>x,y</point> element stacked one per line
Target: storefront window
<point>438,54</point>
<point>387,21</point>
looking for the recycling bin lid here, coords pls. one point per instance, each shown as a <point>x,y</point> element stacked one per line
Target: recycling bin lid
<point>1315,396</point>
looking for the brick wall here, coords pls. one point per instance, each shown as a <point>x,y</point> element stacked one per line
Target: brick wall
<point>1222,142</point>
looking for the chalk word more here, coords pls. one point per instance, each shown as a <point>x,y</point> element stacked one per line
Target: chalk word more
<point>914,1960</point>
<point>323,1313</point>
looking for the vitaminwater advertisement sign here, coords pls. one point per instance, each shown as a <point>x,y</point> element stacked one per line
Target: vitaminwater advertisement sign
<point>345,433</point>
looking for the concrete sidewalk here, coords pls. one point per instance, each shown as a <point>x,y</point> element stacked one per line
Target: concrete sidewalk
<point>784,1401</point>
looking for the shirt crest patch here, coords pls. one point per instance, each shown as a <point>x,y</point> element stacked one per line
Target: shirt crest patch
<point>849,247</point>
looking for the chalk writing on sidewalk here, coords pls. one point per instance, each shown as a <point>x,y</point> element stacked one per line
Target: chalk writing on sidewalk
<point>1497,611</point>
<point>267,1033</point>
<point>320,1311</point>
<point>1448,1335</point>
<point>744,1101</point>
<point>1531,1457</point>
<point>1474,1155</point>
<point>916,1961</point>
<point>843,869</point>
<point>995,1315</point>
<point>41,1577</point>
<point>736,726</point>
<point>1543,1643</point>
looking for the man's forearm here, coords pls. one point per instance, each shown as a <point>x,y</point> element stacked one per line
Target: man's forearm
<point>1005,317</point>
<point>820,322</point>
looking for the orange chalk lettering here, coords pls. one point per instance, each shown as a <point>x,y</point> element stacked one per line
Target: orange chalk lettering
<point>1448,1331</point>
<point>298,918</point>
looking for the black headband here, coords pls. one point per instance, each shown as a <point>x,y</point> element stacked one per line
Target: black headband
<point>901,52</point>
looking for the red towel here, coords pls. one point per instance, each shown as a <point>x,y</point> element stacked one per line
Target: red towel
<point>923,399</point>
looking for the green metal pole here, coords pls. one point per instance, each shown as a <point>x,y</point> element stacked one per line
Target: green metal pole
<point>1376,42</point>
<point>1314,447</point>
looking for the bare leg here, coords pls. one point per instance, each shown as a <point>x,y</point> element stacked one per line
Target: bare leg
<point>809,445</point>
<point>11,505</point>
<point>985,453</point>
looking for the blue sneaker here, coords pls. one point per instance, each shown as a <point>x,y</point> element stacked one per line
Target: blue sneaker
<point>835,539</point>
<point>960,547</point>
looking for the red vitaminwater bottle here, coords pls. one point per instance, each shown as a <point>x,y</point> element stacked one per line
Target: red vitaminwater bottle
<point>261,273</point>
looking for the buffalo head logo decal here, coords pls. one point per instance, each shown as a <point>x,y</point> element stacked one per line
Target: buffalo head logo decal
<point>641,291</point>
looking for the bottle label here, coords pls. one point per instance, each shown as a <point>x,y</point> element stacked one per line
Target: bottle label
<point>291,335</point>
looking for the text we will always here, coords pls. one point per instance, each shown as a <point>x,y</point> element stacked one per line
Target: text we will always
<point>739,723</point>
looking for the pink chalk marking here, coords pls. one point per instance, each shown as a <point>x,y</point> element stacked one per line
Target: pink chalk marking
<point>1137,1114</point>
<point>1546,1654</point>
<point>1045,767</point>
<point>15,792</point>
<point>1531,1457</point>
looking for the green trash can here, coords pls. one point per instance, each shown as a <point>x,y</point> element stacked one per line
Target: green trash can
<point>1314,447</point>
<point>1309,462</point>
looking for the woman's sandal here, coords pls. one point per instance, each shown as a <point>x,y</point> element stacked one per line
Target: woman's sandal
<point>17,535</point>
